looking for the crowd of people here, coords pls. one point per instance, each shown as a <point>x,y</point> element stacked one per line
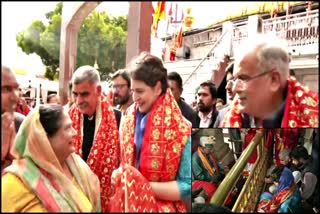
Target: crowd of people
<point>294,185</point>
<point>135,151</point>
<point>291,183</point>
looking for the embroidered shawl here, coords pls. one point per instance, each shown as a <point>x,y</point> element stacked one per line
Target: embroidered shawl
<point>300,111</point>
<point>104,155</point>
<point>36,164</point>
<point>166,134</point>
<point>284,191</point>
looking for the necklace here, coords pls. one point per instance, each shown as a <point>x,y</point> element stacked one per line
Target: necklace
<point>90,118</point>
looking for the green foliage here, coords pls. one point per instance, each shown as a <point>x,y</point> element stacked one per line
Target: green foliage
<point>101,38</point>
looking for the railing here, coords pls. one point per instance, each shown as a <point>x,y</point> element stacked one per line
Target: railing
<point>205,56</point>
<point>240,32</point>
<point>247,199</point>
<point>254,185</point>
<point>298,29</point>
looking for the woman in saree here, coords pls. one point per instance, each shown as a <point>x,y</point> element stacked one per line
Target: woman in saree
<point>155,170</point>
<point>286,198</point>
<point>46,175</point>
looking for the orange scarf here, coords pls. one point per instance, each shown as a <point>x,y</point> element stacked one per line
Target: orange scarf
<point>206,163</point>
<point>104,154</point>
<point>166,134</point>
<point>301,109</point>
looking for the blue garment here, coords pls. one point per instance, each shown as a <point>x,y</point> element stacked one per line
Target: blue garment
<point>184,172</point>
<point>292,204</point>
<point>285,180</point>
<point>141,121</point>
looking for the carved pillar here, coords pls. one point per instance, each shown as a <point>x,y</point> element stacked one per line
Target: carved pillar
<point>73,14</point>
<point>139,28</point>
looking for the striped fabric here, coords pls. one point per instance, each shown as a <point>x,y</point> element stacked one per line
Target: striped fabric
<point>36,164</point>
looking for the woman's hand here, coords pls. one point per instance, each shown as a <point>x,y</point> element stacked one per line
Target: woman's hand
<point>115,173</point>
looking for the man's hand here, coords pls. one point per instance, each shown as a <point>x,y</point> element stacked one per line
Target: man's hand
<point>7,133</point>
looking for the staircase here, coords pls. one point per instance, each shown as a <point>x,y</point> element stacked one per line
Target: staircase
<point>211,67</point>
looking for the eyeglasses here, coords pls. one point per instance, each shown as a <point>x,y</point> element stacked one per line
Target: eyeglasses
<point>242,79</point>
<point>119,86</point>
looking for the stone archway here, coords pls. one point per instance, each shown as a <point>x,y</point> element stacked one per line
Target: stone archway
<point>74,13</point>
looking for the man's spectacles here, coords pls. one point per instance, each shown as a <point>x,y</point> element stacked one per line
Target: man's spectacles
<point>119,86</point>
<point>242,79</point>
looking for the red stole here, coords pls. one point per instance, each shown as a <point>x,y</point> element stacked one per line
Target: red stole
<point>104,154</point>
<point>300,111</point>
<point>250,133</point>
<point>283,139</point>
<point>273,205</point>
<point>166,134</point>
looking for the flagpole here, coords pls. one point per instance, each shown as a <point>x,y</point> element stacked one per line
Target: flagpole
<point>169,20</point>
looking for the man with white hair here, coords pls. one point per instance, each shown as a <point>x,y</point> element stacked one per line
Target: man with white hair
<point>285,159</point>
<point>266,96</point>
<point>94,120</point>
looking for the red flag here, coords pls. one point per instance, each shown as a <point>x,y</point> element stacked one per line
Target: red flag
<point>170,10</point>
<point>159,13</point>
<point>179,38</point>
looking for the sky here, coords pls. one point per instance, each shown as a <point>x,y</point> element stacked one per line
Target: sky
<point>17,16</point>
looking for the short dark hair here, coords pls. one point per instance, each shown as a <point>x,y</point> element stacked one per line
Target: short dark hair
<point>229,68</point>
<point>212,88</point>
<point>51,96</point>
<point>220,100</point>
<point>276,173</point>
<point>149,69</point>
<point>50,118</point>
<point>292,73</point>
<point>175,77</point>
<point>70,86</point>
<point>299,152</point>
<point>124,74</point>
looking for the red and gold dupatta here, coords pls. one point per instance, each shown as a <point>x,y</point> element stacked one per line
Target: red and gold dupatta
<point>272,205</point>
<point>166,134</point>
<point>105,151</point>
<point>301,109</point>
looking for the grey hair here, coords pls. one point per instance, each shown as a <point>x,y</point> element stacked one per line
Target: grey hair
<point>271,53</point>
<point>284,153</point>
<point>86,72</point>
<point>6,69</point>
